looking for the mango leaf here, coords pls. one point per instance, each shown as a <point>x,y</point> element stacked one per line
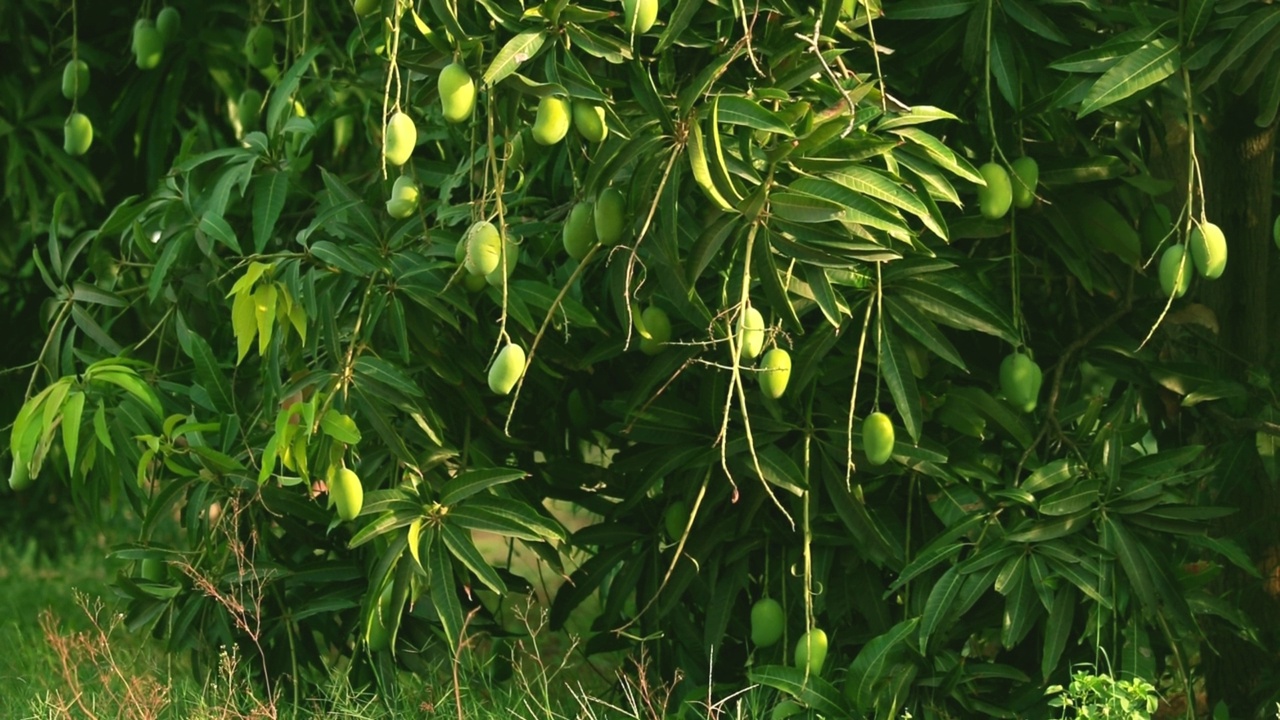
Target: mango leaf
<point>519,49</point>
<point>444,589</point>
<point>340,427</point>
<point>1030,17</point>
<point>1117,539</point>
<point>1071,500</point>
<point>923,330</point>
<point>470,482</point>
<point>804,208</point>
<point>813,691</point>
<point>72,410</point>
<point>927,9</point>
<point>269,192</point>
<point>1241,41</point>
<point>940,153</point>
<point>1139,70</point>
<point>895,371</point>
<point>868,669</point>
<point>1057,629</point>
<point>738,110</point>
<point>464,550</point>
<point>938,607</point>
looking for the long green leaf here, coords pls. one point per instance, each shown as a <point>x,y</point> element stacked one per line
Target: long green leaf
<point>1139,70</point>
<point>519,49</point>
<point>815,692</point>
<point>444,589</point>
<point>868,668</point>
<point>471,482</point>
<point>269,192</point>
<point>938,607</point>
<point>461,547</point>
<point>895,371</point>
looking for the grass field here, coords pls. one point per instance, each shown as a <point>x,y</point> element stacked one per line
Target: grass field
<point>67,656</point>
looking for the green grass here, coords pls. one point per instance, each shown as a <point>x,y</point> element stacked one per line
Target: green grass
<point>66,655</point>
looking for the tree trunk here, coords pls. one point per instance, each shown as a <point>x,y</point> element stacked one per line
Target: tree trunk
<point>1239,173</point>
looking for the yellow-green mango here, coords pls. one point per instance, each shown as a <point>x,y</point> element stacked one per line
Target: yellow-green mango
<point>148,45</point>
<point>1026,175</point>
<point>402,137</point>
<point>404,198</point>
<point>767,622</point>
<point>259,46</point>
<point>457,93</point>
<point>507,369</point>
<point>1209,250</point>
<point>639,15</point>
<point>77,134</point>
<point>75,79</point>
<point>168,24</point>
<point>750,334</point>
<point>811,651</point>
<point>877,438</point>
<point>589,121</point>
<point>610,216</point>
<point>657,327</point>
<point>580,231</point>
<point>552,121</point>
<point>995,198</point>
<point>484,248</point>
<point>247,109</point>
<point>674,519</point>
<point>347,493</point>
<point>775,372</point>
<point>1020,381</point>
<point>1175,274</point>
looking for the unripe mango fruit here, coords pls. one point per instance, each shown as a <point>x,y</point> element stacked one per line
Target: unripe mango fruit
<point>552,121</point>
<point>501,272</point>
<point>767,622</point>
<point>1026,175</point>
<point>775,372</point>
<point>674,519</point>
<point>75,79</point>
<point>580,231</point>
<point>457,92</point>
<point>168,23</point>
<point>811,651</point>
<point>247,109</point>
<point>656,330</point>
<point>610,216</point>
<point>148,45</point>
<point>404,198</point>
<point>1209,250</point>
<point>347,493</point>
<point>506,369</point>
<point>1175,274</point>
<point>259,46</point>
<point>589,121</point>
<point>77,134</point>
<point>484,248</point>
<point>639,15</point>
<point>1020,381</point>
<point>877,438</point>
<point>994,199</point>
<point>364,7</point>
<point>750,334</point>
<point>402,136</point>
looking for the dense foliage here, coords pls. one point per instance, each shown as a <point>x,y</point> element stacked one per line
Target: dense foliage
<point>744,281</point>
